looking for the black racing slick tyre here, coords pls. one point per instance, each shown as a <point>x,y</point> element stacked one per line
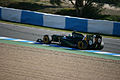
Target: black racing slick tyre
<point>82,45</point>
<point>46,39</point>
<point>101,46</point>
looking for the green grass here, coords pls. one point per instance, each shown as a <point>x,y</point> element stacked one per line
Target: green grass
<point>54,29</point>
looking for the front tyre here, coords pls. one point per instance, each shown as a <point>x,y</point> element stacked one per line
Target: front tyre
<point>46,39</point>
<point>82,45</point>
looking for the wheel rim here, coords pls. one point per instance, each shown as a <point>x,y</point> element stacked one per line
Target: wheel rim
<point>80,45</point>
<point>46,39</point>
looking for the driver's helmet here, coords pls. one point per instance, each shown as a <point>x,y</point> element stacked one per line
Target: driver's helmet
<point>73,33</point>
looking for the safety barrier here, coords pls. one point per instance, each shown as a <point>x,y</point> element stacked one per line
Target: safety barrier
<point>62,22</point>
<point>100,26</point>
<point>116,29</point>
<point>54,21</point>
<point>0,12</point>
<point>11,14</point>
<point>34,18</point>
<point>78,24</point>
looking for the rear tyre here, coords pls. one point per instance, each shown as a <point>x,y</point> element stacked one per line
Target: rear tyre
<point>82,45</point>
<point>60,42</point>
<point>101,46</point>
<point>46,39</point>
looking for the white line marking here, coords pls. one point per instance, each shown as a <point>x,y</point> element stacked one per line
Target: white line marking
<point>116,55</point>
<point>4,38</point>
<point>19,40</point>
<point>103,52</point>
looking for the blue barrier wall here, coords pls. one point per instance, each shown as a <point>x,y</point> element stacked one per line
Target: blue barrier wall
<point>76,24</point>
<point>30,17</point>
<point>116,29</point>
<point>0,13</point>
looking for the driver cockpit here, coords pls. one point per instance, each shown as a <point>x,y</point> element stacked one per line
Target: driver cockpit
<point>77,35</point>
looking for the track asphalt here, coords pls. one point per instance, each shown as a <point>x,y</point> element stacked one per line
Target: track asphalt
<point>32,34</point>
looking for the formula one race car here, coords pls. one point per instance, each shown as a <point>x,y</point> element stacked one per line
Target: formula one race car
<point>76,40</point>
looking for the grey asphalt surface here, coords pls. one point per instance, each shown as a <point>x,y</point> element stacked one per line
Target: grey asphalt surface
<point>28,33</point>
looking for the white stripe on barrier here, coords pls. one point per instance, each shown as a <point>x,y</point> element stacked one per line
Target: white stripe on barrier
<point>11,14</point>
<point>54,21</point>
<point>100,26</point>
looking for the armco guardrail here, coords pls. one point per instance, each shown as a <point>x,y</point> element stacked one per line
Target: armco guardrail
<point>62,22</point>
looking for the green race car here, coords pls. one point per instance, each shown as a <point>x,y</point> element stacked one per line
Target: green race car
<point>76,40</point>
